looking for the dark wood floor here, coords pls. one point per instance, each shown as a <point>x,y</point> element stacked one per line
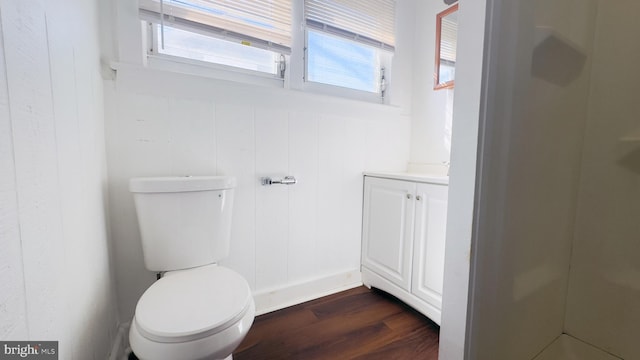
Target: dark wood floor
<point>354,324</point>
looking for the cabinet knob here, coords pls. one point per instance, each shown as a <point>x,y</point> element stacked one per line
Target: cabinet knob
<point>409,196</point>
<point>418,197</point>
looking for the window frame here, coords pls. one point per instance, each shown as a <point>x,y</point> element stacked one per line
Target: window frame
<point>295,75</point>
<point>157,59</point>
<point>384,62</point>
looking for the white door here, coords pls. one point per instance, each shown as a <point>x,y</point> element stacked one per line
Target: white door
<point>388,229</point>
<point>430,233</point>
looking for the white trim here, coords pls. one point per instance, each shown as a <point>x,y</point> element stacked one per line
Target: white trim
<point>283,297</point>
<point>428,178</point>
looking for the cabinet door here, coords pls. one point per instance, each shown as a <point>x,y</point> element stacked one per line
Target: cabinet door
<point>387,232</point>
<point>430,231</point>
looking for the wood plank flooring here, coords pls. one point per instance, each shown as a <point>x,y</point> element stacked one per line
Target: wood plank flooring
<point>354,324</point>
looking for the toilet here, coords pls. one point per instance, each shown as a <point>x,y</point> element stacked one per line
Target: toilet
<point>197,309</point>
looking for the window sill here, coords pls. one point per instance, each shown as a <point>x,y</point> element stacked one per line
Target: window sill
<point>342,92</point>
<point>229,73</point>
<point>214,71</point>
<point>163,82</point>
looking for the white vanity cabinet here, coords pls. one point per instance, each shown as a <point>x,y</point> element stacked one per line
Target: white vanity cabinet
<point>403,243</point>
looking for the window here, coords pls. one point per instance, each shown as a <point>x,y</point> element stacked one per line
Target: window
<point>448,42</point>
<point>335,61</point>
<point>253,35</point>
<point>191,45</point>
<point>349,42</point>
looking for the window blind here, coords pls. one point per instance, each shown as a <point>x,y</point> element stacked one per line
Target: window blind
<point>261,23</point>
<point>448,41</point>
<point>371,22</point>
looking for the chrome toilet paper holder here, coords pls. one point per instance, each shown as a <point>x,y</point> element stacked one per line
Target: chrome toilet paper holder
<point>288,180</point>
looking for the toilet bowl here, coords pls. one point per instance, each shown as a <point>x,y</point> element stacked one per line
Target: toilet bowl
<point>199,313</point>
<point>198,309</point>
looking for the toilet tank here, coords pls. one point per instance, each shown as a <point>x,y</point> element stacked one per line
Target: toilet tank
<point>184,221</point>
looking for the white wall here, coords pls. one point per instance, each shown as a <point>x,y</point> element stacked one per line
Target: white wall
<point>54,264</point>
<point>166,123</point>
<point>432,109</point>
<point>530,170</point>
<point>462,182</point>
<point>604,287</point>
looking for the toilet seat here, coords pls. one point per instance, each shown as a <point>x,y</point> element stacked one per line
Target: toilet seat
<point>192,304</point>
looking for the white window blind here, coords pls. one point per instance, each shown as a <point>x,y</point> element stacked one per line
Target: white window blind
<point>261,23</point>
<point>448,41</point>
<point>371,22</point>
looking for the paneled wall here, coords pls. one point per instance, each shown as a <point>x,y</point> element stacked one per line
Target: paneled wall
<point>55,274</point>
<point>162,123</point>
<point>287,241</point>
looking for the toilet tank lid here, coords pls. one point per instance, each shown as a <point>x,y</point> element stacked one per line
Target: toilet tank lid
<point>180,183</point>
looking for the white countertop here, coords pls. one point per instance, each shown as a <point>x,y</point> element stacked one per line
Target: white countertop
<point>418,177</point>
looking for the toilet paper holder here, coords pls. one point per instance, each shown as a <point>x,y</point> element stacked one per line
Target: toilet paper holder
<point>288,180</point>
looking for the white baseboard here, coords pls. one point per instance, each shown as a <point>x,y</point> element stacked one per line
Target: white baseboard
<point>280,298</point>
<point>120,347</point>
